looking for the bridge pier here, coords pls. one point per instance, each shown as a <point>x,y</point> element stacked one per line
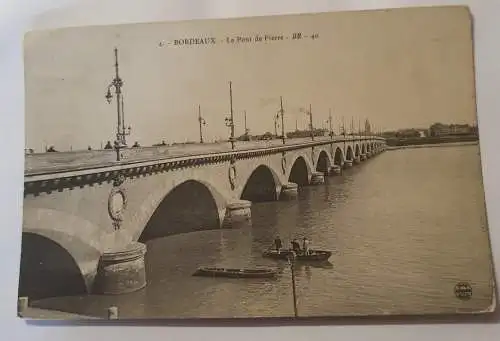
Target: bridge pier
<point>363,157</point>
<point>238,214</point>
<point>368,155</point>
<point>348,164</point>
<point>317,178</point>
<point>289,191</point>
<point>358,159</point>
<point>335,170</point>
<point>121,271</point>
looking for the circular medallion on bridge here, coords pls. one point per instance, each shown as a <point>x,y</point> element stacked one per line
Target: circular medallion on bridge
<point>232,176</point>
<point>118,180</point>
<point>117,203</point>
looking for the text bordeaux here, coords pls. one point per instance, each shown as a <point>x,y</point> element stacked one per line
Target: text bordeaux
<point>195,41</point>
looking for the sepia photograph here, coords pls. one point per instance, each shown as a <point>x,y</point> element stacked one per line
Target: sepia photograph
<point>286,166</point>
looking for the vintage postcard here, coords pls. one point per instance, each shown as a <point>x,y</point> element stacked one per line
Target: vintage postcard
<point>284,166</point>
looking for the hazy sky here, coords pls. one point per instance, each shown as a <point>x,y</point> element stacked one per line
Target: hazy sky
<point>398,68</point>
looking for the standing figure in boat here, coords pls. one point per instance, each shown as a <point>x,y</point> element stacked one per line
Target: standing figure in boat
<point>296,245</point>
<point>305,246</point>
<point>278,244</point>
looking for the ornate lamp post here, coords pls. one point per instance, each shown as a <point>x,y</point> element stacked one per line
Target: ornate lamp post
<point>121,130</point>
<point>282,112</point>
<point>330,123</point>
<point>276,118</point>
<point>230,120</point>
<point>247,131</point>
<point>359,129</point>
<point>344,133</point>
<point>201,122</point>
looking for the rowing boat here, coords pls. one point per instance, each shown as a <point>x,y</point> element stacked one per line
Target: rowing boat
<point>313,256</point>
<point>235,273</point>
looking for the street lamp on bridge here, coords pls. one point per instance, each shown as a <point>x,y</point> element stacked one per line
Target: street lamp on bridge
<point>330,123</point>
<point>359,128</point>
<point>275,119</point>
<point>247,131</point>
<point>201,122</point>
<point>121,130</point>
<point>282,112</point>
<point>343,133</point>
<point>229,121</point>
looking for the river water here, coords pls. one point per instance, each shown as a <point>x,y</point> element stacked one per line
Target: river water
<point>405,228</point>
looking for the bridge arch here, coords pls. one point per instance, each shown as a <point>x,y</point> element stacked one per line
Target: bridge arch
<point>356,150</point>
<point>67,245</point>
<point>349,154</point>
<point>192,205</point>
<point>363,148</point>
<point>55,264</point>
<point>300,170</point>
<point>323,162</point>
<point>262,184</point>
<point>338,158</point>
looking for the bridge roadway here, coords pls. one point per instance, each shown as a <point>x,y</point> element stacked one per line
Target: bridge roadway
<point>47,163</point>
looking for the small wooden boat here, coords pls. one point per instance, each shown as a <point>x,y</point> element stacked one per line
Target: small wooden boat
<point>313,256</point>
<point>235,273</point>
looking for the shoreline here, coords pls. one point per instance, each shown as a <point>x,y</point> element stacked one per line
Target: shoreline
<point>434,145</point>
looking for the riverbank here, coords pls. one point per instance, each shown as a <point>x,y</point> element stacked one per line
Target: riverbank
<point>436,145</point>
<point>429,140</point>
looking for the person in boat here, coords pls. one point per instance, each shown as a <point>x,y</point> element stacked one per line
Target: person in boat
<point>108,145</point>
<point>305,246</point>
<point>278,244</point>
<point>295,245</point>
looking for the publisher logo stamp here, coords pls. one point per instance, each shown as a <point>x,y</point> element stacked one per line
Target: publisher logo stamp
<point>463,291</point>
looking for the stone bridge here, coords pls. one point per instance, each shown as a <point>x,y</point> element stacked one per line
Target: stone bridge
<point>84,227</point>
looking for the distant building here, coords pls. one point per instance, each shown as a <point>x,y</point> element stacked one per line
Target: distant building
<point>439,129</point>
<point>407,133</point>
<point>306,133</point>
<point>460,129</point>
